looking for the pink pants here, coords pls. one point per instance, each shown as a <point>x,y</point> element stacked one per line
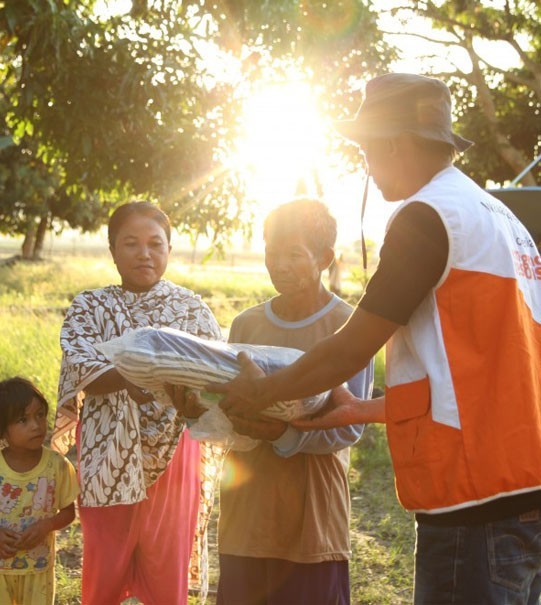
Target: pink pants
<point>143,549</point>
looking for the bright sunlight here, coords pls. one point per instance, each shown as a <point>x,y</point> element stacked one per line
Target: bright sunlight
<point>284,151</point>
<point>283,142</point>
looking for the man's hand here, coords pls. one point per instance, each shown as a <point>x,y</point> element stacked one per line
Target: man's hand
<point>8,543</point>
<point>242,394</point>
<point>186,401</point>
<point>268,429</point>
<point>342,409</point>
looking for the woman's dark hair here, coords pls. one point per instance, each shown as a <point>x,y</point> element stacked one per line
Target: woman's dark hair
<point>122,213</point>
<point>309,217</point>
<point>15,395</point>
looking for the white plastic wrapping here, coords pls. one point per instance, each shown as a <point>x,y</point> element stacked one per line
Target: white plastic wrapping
<point>150,358</point>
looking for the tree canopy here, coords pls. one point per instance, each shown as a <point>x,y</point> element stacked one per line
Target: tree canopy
<point>498,106</point>
<point>106,107</point>
<point>97,108</point>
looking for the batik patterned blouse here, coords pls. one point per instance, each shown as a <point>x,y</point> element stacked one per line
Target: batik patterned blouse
<point>123,446</point>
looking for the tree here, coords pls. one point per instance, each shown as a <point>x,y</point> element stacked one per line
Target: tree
<point>112,107</point>
<point>338,43</point>
<point>33,196</point>
<point>499,107</point>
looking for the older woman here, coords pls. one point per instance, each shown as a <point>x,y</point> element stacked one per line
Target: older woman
<point>142,477</point>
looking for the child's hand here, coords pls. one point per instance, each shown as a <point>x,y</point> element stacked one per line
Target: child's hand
<point>34,534</point>
<point>8,543</point>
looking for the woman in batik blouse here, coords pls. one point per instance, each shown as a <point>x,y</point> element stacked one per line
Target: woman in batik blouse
<point>145,490</point>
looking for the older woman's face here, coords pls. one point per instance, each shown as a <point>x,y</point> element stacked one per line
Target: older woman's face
<point>140,252</point>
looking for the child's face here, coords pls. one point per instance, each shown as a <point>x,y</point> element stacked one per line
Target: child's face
<point>29,430</point>
<point>292,266</point>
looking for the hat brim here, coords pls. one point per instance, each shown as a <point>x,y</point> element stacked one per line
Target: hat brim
<point>355,133</point>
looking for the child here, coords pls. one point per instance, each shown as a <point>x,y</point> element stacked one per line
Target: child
<point>38,488</point>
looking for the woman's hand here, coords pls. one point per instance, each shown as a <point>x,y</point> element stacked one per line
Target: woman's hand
<point>137,394</point>
<point>186,401</point>
<point>8,543</point>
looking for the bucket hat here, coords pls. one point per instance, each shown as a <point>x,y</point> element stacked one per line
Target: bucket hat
<point>399,102</point>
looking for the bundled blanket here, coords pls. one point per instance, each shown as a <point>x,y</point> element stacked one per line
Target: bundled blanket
<point>151,358</point>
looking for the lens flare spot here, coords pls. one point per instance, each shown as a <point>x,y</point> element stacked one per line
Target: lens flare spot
<point>234,474</point>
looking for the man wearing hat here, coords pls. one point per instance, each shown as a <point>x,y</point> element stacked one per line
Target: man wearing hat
<point>457,298</point>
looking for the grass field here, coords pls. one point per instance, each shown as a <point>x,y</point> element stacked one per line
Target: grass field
<point>33,299</point>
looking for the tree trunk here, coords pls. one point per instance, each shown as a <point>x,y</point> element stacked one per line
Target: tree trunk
<point>512,156</point>
<point>28,243</point>
<point>194,239</point>
<point>40,237</point>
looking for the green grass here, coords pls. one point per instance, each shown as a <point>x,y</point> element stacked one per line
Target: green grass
<point>382,532</point>
<point>33,299</point>
<point>30,347</point>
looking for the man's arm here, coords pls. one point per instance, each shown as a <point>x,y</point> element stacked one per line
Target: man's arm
<point>288,440</point>
<point>316,440</point>
<point>346,411</point>
<point>330,363</point>
<point>412,261</point>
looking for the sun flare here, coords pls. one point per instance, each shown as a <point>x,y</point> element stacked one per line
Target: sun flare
<point>285,149</point>
<point>283,141</point>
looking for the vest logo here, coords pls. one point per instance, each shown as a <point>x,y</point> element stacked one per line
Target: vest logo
<point>525,242</point>
<point>499,209</point>
<point>527,266</point>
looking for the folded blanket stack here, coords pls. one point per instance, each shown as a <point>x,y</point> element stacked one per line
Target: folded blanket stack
<point>150,358</point>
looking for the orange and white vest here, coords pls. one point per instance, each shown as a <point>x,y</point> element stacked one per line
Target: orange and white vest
<point>463,381</point>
